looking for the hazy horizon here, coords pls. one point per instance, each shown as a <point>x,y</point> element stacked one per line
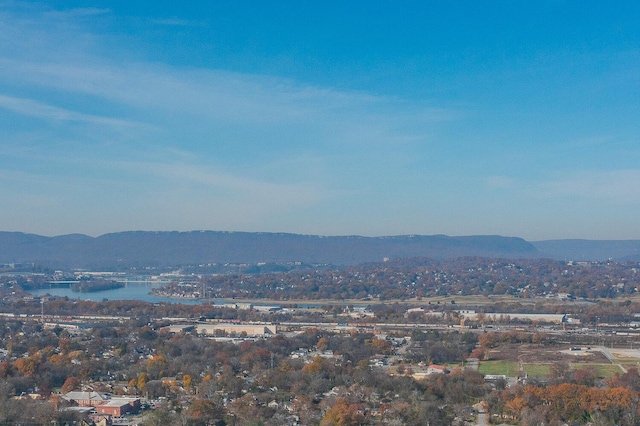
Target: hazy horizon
<point>321,235</point>
<point>321,119</point>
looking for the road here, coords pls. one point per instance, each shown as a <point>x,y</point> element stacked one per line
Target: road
<point>481,419</point>
<point>473,363</point>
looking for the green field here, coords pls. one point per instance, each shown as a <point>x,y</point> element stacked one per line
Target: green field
<point>508,368</point>
<point>537,370</point>
<point>604,370</point>
<point>633,362</point>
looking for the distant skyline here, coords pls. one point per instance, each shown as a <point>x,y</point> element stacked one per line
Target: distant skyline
<point>325,118</point>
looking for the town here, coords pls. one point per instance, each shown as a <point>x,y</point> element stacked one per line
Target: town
<point>453,359</point>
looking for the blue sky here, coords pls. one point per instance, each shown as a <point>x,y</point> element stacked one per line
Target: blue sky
<point>328,118</point>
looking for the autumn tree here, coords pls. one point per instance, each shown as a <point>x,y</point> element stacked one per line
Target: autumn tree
<point>26,366</point>
<point>481,352</point>
<point>187,381</point>
<point>381,346</point>
<point>156,366</point>
<point>71,384</point>
<point>205,412</point>
<point>142,380</point>
<point>343,413</point>
<point>323,344</point>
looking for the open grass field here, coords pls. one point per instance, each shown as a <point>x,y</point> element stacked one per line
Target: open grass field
<point>628,363</point>
<point>537,370</point>
<point>604,370</point>
<point>508,368</point>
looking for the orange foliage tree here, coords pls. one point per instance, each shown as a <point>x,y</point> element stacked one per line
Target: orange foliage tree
<point>570,402</point>
<point>343,414</point>
<point>71,384</point>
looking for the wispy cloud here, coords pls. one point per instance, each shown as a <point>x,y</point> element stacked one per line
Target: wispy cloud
<point>66,62</point>
<point>202,146</point>
<point>40,110</point>
<point>174,22</point>
<point>79,12</point>
<point>223,95</point>
<point>215,181</point>
<point>204,99</point>
<point>613,186</point>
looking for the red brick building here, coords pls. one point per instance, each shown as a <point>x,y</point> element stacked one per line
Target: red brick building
<point>103,403</point>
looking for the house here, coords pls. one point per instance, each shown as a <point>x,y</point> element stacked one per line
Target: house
<point>437,369</point>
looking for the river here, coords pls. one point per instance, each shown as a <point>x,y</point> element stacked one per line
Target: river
<point>131,291</point>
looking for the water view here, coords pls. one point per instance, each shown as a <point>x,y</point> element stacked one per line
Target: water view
<point>131,291</point>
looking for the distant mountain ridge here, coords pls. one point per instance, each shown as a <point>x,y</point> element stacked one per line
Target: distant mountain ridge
<point>147,248</point>
<point>617,250</point>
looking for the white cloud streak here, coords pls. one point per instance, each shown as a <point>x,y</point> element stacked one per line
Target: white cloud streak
<point>613,186</point>
<point>36,109</point>
<point>222,95</point>
<point>66,64</point>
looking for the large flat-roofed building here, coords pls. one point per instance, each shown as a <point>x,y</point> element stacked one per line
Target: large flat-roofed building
<point>512,316</point>
<point>267,308</point>
<point>233,305</point>
<point>249,329</point>
<point>85,399</point>
<point>103,403</point>
<point>178,328</point>
<point>118,406</point>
